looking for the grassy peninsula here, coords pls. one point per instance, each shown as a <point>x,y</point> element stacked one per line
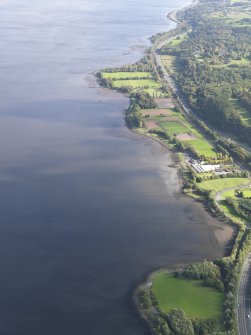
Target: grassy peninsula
<point>192,93</point>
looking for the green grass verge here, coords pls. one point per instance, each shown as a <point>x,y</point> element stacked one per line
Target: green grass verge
<point>123,75</point>
<point>221,184</point>
<point>196,300</point>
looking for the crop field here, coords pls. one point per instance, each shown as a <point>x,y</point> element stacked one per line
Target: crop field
<point>125,75</point>
<point>136,83</point>
<point>224,183</point>
<point>196,300</point>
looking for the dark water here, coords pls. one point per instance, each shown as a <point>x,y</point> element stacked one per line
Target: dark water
<point>86,207</point>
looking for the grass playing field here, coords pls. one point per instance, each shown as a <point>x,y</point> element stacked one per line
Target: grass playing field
<point>196,300</point>
<point>203,147</point>
<point>224,183</point>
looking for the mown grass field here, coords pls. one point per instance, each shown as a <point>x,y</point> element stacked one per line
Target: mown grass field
<point>196,300</point>
<point>173,127</point>
<point>123,75</point>
<point>136,83</point>
<point>203,147</point>
<point>224,183</point>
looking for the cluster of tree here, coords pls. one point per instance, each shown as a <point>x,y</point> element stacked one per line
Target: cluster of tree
<point>141,66</point>
<point>208,326</point>
<point>245,100</point>
<point>207,271</point>
<point>240,194</point>
<point>144,298</point>
<point>242,207</point>
<point>138,100</point>
<point>201,178</point>
<point>160,325</point>
<point>143,100</point>
<point>179,323</point>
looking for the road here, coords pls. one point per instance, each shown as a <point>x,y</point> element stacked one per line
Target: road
<point>243,299</point>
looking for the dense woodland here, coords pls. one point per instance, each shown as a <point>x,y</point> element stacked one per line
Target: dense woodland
<point>213,69</point>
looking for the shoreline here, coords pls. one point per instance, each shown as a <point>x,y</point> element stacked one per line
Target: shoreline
<point>224,234</point>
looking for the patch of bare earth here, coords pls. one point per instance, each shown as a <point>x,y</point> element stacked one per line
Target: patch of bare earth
<point>186,137</point>
<point>150,124</point>
<point>164,103</point>
<point>156,112</point>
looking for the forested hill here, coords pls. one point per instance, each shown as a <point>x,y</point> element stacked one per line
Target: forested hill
<point>212,64</point>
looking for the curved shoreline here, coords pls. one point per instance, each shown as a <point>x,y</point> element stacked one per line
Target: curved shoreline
<point>223,233</point>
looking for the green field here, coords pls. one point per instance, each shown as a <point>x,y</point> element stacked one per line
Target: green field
<point>123,75</point>
<point>224,183</point>
<point>179,125</point>
<point>174,127</point>
<point>136,83</point>
<point>178,39</point>
<point>196,300</point>
<point>202,147</point>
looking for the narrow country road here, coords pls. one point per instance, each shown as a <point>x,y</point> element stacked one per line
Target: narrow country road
<point>243,299</point>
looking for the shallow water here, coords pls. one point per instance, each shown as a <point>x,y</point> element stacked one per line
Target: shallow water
<point>87,207</point>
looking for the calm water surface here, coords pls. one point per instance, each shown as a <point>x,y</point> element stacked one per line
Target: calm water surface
<point>86,207</point>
